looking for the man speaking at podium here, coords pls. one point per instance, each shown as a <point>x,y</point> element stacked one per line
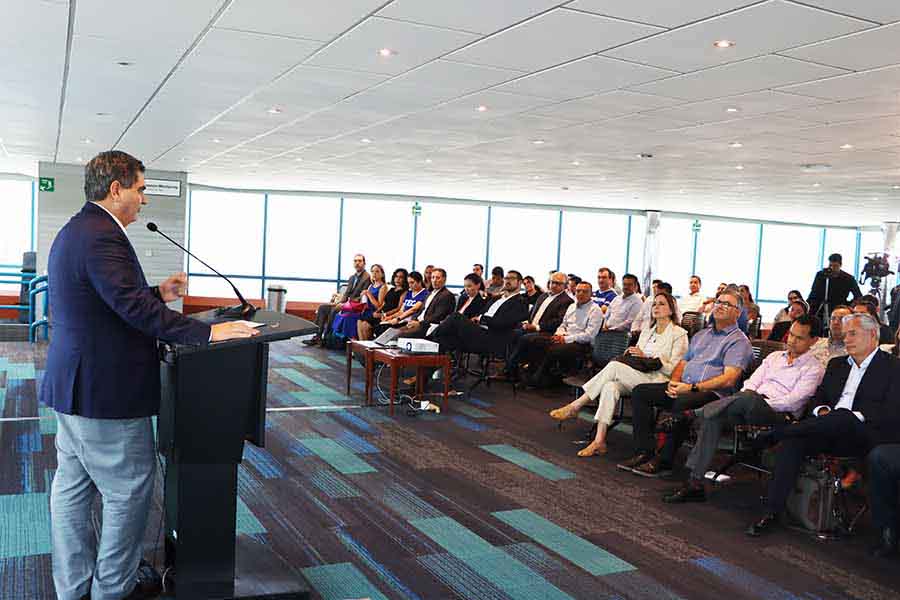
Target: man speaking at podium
<point>102,379</point>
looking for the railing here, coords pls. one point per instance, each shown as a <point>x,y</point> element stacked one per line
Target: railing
<point>14,278</point>
<point>34,290</point>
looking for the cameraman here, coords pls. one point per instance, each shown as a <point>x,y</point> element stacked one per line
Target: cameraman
<point>840,285</point>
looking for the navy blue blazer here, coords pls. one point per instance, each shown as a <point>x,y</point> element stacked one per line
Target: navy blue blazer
<point>102,362</point>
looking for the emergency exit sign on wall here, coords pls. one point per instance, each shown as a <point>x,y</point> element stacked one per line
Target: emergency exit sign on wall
<point>46,184</point>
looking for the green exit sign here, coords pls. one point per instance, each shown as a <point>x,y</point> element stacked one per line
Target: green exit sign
<point>46,184</point>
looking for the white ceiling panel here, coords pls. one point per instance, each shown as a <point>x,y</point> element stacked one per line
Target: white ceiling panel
<point>476,16</point>
<point>582,77</point>
<point>881,11</point>
<point>875,82</point>
<point>413,45</point>
<point>465,110</point>
<point>849,110</point>
<point>663,13</point>
<point>605,106</point>
<point>551,38</point>
<point>736,78</point>
<point>857,52</point>
<point>310,19</point>
<point>755,30</point>
<point>739,128</point>
<point>742,105</point>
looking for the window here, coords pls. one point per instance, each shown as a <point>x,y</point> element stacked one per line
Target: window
<point>302,237</point>
<point>450,236</point>
<point>842,241</point>
<point>636,246</point>
<point>226,231</point>
<point>726,251</point>
<point>591,240</point>
<point>676,248</point>
<point>216,287</point>
<point>15,227</point>
<point>524,239</point>
<point>304,291</point>
<point>790,255</point>
<point>382,230</point>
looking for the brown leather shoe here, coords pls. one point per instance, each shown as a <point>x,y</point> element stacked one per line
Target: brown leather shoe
<point>636,460</point>
<point>653,468</point>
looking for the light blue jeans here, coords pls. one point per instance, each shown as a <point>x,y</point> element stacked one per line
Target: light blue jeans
<point>115,457</point>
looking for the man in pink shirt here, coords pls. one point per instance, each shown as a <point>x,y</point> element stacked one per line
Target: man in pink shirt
<point>784,383</point>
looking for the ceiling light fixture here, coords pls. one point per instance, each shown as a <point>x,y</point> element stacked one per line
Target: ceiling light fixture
<point>723,44</point>
<point>482,108</point>
<point>739,167</point>
<point>645,155</point>
<point>366,141</point>
<point>216,141</point>
<point>735,145</point>
<point>298,159</point>
<point>386,52</point>
<point>576,163</point>
<point>87,141</point>
<point>274,110</point>
<point>101,114</point>
<point>732,109</point>
<point>896,187</point>
<point>816,184</point>
<point>538,142</point>
<point>846,146</point>
<point>124,63</point>
<point>428,161</point>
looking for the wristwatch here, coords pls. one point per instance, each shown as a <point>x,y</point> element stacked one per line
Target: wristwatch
<point>694,388</point>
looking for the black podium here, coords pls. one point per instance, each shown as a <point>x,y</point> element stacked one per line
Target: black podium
<point>213,399</point>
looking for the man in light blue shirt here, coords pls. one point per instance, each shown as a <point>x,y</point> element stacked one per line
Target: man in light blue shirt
<point>625,308</point>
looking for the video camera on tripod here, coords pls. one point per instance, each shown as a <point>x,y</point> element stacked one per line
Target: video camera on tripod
<point>876,268</point>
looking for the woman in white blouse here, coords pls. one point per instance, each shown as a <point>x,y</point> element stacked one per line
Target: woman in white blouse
<point>663,340</point>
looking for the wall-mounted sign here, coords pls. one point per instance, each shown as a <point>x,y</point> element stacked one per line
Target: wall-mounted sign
<point>162,187</point>
<point>46,184</point>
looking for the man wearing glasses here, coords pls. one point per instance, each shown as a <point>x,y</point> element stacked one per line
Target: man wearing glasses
<point>711,369</point>
<point>827,348</point>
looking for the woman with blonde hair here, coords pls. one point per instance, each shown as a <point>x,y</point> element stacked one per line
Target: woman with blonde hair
<point>659,348</point>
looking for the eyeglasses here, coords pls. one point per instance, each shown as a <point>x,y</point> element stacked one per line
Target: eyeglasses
<point>725,304</point>
<point>557,282</point>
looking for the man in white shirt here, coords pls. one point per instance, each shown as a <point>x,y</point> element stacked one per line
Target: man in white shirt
<point>625,307</point>
<point>545,318</point>
<point>832,345</point>
<point>857,406</point>
<point>571,340</point>
<point>693,302</point>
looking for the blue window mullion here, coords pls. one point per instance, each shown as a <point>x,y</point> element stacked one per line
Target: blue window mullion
<point>559,241</point>
<point>340,243</point>
<point>759,241</point>
<point>265,228</point>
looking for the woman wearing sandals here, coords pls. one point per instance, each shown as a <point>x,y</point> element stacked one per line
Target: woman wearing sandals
<point>663,340</point>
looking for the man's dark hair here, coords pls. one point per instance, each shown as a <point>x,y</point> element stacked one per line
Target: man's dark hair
<point>443,272</point>
<point>481,266</point>
<point>516,273</point>
<point>664,287</point>
<point>608,272</point>
<point>656,281</point>
<point>697,277</point>
<point>497,272</point>
<point>587,283</point>
<point>870,298</point>
<point>815,328</point>
<point>106,167</point>
<point>574,277</point>
<point>630,276</point>
<point>612,274</point>
<point>836,258</point>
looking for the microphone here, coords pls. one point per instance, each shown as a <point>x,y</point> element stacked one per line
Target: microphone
<point>245,310</point>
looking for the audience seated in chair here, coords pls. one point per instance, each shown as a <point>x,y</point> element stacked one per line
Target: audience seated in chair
<point>472,300</point>
<point>389,307</point>
<point>346,322</point>
<point>743,320</point>
<point>572,282</point>
<point>663,340</point>
<point>709,303</point>
<point>856,407</point>
<point>645,315</point>
<point>543,321</point>
<point>437,307</point>
<point>495,284</point>
<point>884,477</point>
<point>693,302</point>
<point>783,384</point>
<point>412,303</point>
<point>625,307</point>
<point>869,305</point>
<point>605,293</point>
<point>550,357</point>
<point>356,284</point>
<point>491,331</point>
<point>782,315</point>
<point>532,291</point>
<point>827,347</point>
<point>712,367</point>
<point>780,329</point>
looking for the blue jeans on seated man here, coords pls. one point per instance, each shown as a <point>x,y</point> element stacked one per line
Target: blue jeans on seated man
<point>117,458</point>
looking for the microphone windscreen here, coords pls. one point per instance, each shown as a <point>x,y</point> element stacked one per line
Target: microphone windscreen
<point>151,226</point>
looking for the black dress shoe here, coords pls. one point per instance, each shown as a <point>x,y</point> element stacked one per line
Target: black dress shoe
<point>887,544</point>
<point>636,460</point>
<point>686,493</point>
<point>148,583</point>
<point>766,524</point>
<point>313,341</point>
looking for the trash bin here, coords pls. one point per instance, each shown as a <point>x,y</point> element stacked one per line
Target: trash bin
<point>276,299</point>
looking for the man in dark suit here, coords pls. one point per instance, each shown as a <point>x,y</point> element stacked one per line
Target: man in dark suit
<point>102,379</point>
<point>884,477</point>
<point>545,318</point>
<point>857,406</point>
<point>840,285</point>
<point>492,330</point>
<point>353,290</point>
<point>438,306</point>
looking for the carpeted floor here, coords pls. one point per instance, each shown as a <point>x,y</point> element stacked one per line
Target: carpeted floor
<point>484,501</point>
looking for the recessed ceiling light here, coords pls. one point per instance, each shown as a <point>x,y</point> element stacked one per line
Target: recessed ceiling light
<point>740,183</point>
<point>482,108</point>
<point>79,158</point>
<point>602,179</point>
<point>576,163</point>
<point>535,176</point>
<point>124,63</point>
<point>732,109</point>
<point>680,191</point>
<point>386,52</point>
<point>216,141</point>
<point>183,159</point>
<point>645,155</point>
<point>846,146</point>
<point>735,145</point>
<point>428,161</point>
<point>87,141</point>
<point>896,187</point>
<point>298,159</point>
<point>723,44</point>
<point>102,114</point>
<point>816,184</point>
<point>366,141</point>
<point>538,142</point>
<point>739,167</point>
<point>274,111</point>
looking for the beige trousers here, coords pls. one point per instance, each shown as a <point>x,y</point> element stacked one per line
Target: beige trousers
<point>614,380</point>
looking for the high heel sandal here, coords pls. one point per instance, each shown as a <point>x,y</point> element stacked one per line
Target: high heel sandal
<point>593,449</point>
<point>563,413</point>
